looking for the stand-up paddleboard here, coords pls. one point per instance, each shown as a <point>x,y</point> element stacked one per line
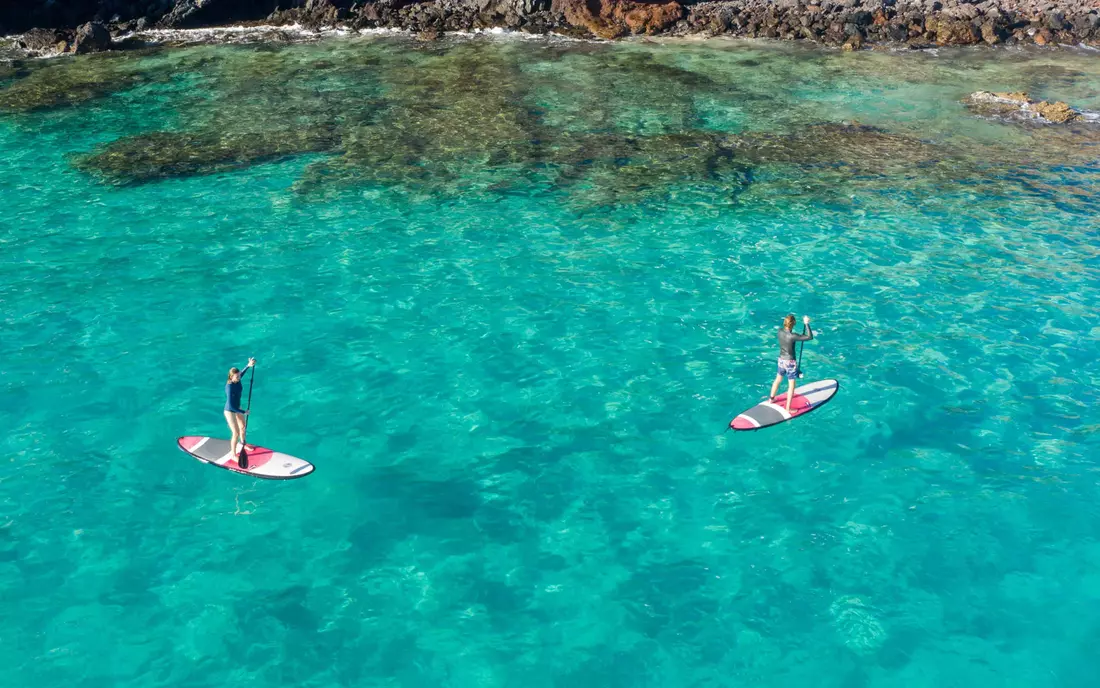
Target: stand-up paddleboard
<point>262,462</point>
<point>806,398</point>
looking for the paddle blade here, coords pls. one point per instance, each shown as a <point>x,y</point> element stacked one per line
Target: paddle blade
<point>242,458</point>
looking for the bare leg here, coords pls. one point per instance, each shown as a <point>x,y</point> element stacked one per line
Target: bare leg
<point>231,420</point>
<point>790,394</point>
<point>238,450</point>
<point>775,387</point>
<point>242,422</point>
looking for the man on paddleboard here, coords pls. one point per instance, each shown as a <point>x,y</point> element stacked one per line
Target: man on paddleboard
<point>788,364</point>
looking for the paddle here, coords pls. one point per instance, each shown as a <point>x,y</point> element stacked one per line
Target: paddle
<point>805,328</point>
<point>242,458</point>
<point>800,345</point>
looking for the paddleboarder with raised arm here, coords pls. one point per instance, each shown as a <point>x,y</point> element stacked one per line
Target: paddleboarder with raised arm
<point>788,364</point>
<point>234,415</point>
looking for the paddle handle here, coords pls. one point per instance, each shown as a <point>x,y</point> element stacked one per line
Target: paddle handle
<point>252,379</point>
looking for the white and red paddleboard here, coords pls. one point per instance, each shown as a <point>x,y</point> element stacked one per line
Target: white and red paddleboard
<point>262,462</point>
<point>806,398</point>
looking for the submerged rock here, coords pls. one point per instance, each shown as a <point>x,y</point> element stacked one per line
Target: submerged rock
<point>610,169</point>
<point>852,145</point>
<point>443,117</point>
<point>857,625</point>
<point>64,83</point>
<point>160,155</point>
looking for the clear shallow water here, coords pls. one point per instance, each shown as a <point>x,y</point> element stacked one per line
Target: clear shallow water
<point>514,384</point>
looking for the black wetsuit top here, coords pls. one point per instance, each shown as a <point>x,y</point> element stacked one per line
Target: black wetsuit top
<point>787,339</point>
<point>233,394</point>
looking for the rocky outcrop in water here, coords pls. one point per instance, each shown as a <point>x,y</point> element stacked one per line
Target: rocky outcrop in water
<point>850,23</point>
<point>43,42</point>
<point>92,37</point>
<point>1018,107</point>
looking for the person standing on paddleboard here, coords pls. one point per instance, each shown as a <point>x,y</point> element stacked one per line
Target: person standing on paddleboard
<point>788,364</point>
<point>234,416</point>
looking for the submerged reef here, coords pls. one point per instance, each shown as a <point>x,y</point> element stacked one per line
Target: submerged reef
<point>446,119</point>
<point>603,127</point>
<point>43,86</point>
<point>160,155</point>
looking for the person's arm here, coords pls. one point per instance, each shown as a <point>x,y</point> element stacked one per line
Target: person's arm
<point>807,333</point>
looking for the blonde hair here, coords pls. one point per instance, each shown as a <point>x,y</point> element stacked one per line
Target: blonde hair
<point>235,371</point>
<point>788,322</point>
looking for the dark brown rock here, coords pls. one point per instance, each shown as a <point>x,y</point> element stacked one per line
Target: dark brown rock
<point>954,32</point>
<point>92,37</point>
<point>615,18</point>
<point>991,34</point>
<point>40,40</point>
<point>1057,112</point>
<point>1018,107</point>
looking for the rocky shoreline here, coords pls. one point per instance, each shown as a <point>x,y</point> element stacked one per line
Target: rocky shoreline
<point>94,25</point>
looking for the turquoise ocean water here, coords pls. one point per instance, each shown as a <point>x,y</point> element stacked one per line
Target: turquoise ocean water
<point>513,370</point>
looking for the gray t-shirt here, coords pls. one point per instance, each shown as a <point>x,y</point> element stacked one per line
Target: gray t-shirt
<point>787,338</point>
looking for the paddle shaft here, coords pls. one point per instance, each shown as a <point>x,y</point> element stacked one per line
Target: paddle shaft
<point>242,458</point>
<point>252,379</point>
<point>801,344</point>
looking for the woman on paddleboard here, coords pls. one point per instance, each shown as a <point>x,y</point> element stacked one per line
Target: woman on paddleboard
<point>788,364</point>
<point>234,416</point>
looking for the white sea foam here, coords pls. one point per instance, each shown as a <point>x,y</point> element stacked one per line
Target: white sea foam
<point>227,34</point>
<point>299,33</point>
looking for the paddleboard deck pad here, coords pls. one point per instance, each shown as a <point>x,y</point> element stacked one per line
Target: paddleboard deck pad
<point>806,398</point>
<point>262,462</point>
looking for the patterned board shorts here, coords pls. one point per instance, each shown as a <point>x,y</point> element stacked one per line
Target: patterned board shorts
<point>788,368</point>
